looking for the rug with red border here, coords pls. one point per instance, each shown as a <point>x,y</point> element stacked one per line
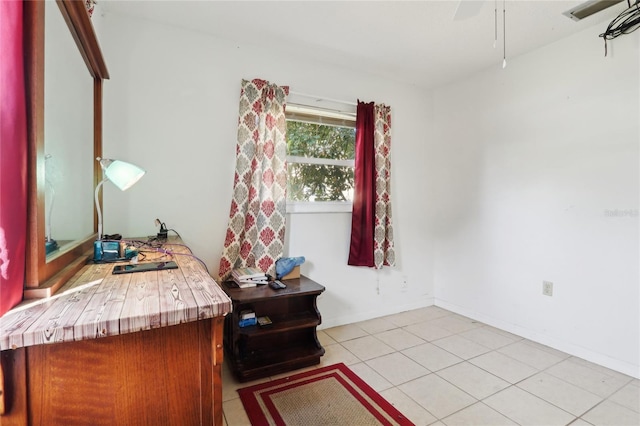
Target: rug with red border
<point>327,396</point>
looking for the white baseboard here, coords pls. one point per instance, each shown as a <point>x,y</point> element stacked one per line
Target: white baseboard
<point>363,316</point>
<point>569,348</point>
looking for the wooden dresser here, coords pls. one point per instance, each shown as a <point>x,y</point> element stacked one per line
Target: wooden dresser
<point>141,348</point>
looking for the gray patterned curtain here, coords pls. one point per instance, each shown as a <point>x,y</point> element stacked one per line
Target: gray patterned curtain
<point>256,230</point>
<point>383,250</point>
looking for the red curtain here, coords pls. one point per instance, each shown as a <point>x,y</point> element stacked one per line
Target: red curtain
<point>363,216</point>
<point>13,156</point>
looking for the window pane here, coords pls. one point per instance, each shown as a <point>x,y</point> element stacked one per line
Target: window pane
<point>310,115</point>
<point>320,141</point>
<point>314,182</point>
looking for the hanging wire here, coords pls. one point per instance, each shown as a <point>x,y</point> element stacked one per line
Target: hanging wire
<point>504,34</point>
<point>625,23</point>
<point>495,22</point>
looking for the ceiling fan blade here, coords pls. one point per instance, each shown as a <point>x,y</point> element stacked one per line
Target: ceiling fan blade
<point>467,9</point>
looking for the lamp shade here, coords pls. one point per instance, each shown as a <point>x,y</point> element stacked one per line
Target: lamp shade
<point>122,174</point>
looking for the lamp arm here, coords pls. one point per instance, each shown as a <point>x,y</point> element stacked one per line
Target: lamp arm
<point>98,209</point>
<point>52,199</point>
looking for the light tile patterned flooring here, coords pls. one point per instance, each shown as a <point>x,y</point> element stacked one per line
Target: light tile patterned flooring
<point>440,368</point>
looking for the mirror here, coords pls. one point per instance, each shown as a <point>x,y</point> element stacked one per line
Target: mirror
<point>68,132</point>
<point>64,134</point>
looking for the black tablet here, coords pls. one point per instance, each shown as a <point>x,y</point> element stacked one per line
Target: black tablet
<point>144,267</point>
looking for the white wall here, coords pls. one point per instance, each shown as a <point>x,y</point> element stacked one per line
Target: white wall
<point>171,107</point>
<point>532,160</point>
<point>500,181</point>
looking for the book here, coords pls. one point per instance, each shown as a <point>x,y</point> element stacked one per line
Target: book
<point>251,280</point>
<point>248,277</point>
<point>233,284</point>
<point>248,273</point>
<point>247,322</point>
<point>244,285</point>
<point>247,314</point>
<point>264,321</point>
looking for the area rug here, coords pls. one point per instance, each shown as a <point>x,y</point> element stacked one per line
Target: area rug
<point>327,396</point>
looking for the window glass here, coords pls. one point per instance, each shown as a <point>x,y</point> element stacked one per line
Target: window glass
<point>320,157</point>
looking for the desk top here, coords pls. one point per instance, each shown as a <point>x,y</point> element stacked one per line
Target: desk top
<point>95,303</point>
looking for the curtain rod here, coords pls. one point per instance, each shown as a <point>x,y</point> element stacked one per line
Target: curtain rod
<point>304,95</point>
<point>319,108</point>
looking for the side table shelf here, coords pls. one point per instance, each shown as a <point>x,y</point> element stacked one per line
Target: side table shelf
<point>288,343</point>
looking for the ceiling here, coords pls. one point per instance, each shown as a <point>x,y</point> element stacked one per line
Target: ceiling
<point>415,42</point>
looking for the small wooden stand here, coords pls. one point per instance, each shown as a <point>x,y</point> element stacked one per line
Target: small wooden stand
<point>288,343</point>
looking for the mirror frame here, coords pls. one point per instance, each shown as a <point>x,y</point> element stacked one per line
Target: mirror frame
<point>44,278</point>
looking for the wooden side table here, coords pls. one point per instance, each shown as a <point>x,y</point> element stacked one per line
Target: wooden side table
<point>288,343</point>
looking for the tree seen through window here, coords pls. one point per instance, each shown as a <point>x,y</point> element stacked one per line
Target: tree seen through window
<point>320,162</point>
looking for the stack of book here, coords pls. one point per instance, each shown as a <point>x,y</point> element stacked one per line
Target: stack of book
<point>248,277</point>
<point>247,318</point>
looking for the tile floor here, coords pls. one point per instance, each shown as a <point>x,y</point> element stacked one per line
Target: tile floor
<point>440,368</point>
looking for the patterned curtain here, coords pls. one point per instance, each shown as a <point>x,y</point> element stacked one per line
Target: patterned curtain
<point>383,251</point>
<point>256,230</point>
<point>371,224</point>
<point>13,156</point>
<point>90,6</point>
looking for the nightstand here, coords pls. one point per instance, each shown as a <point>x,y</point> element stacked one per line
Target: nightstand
<point>288,343</point>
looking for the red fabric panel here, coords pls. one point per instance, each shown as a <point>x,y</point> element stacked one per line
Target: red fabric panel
<point>363,216</point>
<point>13,156</point>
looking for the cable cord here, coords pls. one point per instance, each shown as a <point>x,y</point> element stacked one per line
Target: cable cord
<point>155,246</point>
<point>159,248</point>
<point>193,257</point>
<point>627,22</point>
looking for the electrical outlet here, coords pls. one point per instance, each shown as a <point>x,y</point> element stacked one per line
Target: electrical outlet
<point>404,284</point>
<point>547,288</point>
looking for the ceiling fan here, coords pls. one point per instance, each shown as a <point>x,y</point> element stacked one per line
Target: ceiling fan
<point>470,8</point>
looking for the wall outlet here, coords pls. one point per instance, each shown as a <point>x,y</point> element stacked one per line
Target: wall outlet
<point>547,288</point>
<point>404,284</point>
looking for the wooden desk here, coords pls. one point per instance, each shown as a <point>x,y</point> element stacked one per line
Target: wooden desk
<point>142,348</point>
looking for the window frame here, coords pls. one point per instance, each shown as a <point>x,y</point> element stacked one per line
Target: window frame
<point>323,117</point>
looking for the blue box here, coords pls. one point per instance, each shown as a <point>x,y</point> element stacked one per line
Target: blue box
<point>248,322</point>
<point>106,250</point>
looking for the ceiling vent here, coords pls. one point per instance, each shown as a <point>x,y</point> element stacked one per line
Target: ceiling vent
<point>589,8</point>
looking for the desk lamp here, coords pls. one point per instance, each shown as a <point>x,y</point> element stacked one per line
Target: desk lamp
<point>122,174</point>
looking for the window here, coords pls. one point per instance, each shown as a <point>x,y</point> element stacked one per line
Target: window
<point>320,157</point>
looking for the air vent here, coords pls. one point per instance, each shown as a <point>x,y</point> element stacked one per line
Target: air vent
<point>589,8</point>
